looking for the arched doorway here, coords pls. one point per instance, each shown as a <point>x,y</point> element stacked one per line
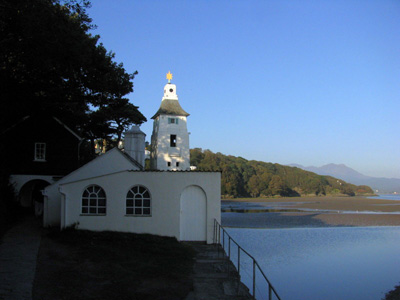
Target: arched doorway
<point>193,218</point>
<point>30,195</point>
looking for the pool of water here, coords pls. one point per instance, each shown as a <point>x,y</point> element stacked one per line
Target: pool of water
<point>394,197</point>
<point>322,263</point>
<point>283,207</point>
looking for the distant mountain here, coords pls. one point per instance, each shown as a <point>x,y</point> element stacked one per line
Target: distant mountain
<point>341,171</point>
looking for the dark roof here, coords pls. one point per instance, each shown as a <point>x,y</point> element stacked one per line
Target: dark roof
<point>54,118</point>
<point>170,107</point>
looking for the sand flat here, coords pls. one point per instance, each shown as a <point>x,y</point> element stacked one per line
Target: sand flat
<point>332,211</point>
<point>332,203</point>
<point>359,219</point>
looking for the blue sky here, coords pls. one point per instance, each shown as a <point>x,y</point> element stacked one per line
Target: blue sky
<point>307,82</point>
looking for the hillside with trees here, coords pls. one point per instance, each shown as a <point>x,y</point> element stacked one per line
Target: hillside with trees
<point>250,178</point>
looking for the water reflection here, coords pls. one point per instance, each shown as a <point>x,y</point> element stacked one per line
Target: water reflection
<point>263,210</point>
<point>260,207</point>
<point>394,197</point>
<point>271,220</point>
<point>282,207</point>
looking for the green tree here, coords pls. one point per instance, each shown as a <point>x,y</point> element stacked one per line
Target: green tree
<point>196,156</point>
<point>276,185</point>
<point>49,62</point>
<point>364,189</point>
<point>119,114</point>
<point>254,186</point>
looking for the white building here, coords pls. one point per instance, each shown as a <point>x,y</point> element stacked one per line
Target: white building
<point>179,204</point>
<point>111,162</point>
<point>113,192</point>
<point>170,137</point>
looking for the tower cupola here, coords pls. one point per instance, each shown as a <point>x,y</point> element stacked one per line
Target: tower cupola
<point>170,92</point>
<point>135,144</point>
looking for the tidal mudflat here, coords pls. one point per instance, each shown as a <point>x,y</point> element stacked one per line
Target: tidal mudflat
<point>311,212</point>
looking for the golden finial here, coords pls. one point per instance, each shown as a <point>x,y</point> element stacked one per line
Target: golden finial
<point>169,76</point>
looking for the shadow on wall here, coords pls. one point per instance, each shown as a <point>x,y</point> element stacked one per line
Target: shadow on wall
<point>8,205</point>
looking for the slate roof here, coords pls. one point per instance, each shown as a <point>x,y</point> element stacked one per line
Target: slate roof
<point>54,118</point>
<point>170,107</point>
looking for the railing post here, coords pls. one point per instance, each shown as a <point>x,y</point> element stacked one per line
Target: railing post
<point>269,292</point>
<point>219,232</point>
<point>239,260</point>
<point>238,284</point>
<point>229,256</point>
<point>223,240</point>
<point>215,231</point>
<point>218,237</point>
<point>254,279</point>
<point>229,247</point>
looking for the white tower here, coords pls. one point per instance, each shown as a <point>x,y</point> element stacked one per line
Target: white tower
<point>170,137</point>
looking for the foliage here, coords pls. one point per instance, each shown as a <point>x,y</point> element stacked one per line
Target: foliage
<point>50,62</point>
<point>8,207</point>
<point>393,294</point>
<point>243,178</point>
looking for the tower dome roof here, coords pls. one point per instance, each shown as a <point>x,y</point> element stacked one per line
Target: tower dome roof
<point>170,107</point>
<point>170,104</point>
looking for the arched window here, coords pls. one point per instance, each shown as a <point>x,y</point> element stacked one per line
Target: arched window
<point>94,201</point>
<point>138,201</point>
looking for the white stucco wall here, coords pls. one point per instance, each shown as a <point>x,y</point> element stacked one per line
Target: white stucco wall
<point>165,189</point>
<point>18,181</point>
<point>110,162</point>
<point>163,152</point>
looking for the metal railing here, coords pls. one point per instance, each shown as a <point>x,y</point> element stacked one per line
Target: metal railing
<point>217,240</point>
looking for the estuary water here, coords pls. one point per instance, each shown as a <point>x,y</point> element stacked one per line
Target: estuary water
<point>323,263</point>
<point>354,263</point>
<point>394,197</point>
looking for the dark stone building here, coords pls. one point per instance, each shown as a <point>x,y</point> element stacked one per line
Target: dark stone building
<point>38,150</point>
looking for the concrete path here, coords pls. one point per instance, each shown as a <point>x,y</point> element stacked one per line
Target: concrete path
<point>215,277</point>
<point>18,252</point>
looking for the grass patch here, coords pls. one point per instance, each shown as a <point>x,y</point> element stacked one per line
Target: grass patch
<point>10,216</point>
<point>78,264</point>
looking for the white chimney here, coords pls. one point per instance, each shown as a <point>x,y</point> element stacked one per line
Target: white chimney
<point>135,144</point>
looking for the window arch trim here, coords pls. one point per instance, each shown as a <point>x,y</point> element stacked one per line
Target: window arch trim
<point>138,202</point>
<point>94,201</point>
